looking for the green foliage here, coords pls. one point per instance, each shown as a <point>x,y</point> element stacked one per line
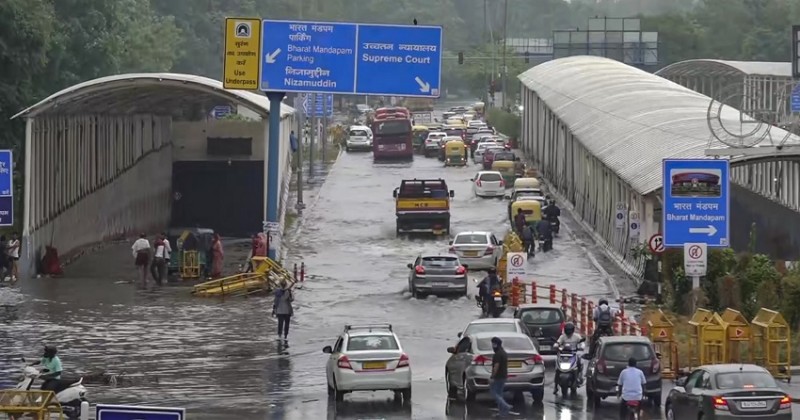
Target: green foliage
<point>505,122</point>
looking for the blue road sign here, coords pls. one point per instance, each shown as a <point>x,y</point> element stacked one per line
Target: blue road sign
<point>6,188</point>
<point>696,202</point>
<point>128,412</point>
<point>350,58</point>
<point>323,106</point>
<point>220,111</point>
<point>796,99</point>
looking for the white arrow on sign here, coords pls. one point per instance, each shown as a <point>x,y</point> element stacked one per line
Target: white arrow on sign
<point>423,86</point>
<point>271,57</point>
<point>710,230</point>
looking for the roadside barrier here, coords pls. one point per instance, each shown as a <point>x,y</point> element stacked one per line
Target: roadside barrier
<point>266,274</point>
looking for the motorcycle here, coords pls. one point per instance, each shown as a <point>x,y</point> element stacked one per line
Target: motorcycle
<point>69,393</point>
<point>634,407</point>
<point>555,225</point>
<point>496,307</point>
<point>568,367</point>
<point>599,332</point>
<point>545,245</point>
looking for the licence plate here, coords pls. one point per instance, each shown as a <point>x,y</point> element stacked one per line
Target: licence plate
<point>753,404</point>
<point>438,231</point>
<point>498,299</point>
<point>374,365</point>
<point>545,348</point>
<point>514,364</point>
<point>470,253</point>
<point>440,284</point>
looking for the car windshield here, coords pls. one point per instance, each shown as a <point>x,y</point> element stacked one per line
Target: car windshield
<point>372,342</point>
<point>471,239</point>
<point>443,261</point>
<point>621,352</point>
<point>735,380</point>
<point>509,343</point>
<point>490,327</point>
<point>491,177</point>
<point>541,316</point>
<point>358,133</point>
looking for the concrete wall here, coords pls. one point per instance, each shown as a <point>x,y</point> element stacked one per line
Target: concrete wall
<point>189,138</point>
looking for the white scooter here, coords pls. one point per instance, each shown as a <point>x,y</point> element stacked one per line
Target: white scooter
<point>70,394</point>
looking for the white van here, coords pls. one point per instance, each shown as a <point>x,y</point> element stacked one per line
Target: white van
<point>359,137</point>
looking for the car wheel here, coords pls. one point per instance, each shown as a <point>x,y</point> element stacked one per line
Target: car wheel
<point>331,391</point>
<point>348,149</point>
<point>668,412</point>
<point>452,390</point>
<point>406,395</point>
<point>414,293</point>
<point>469,395</point>
<point>338,394</point>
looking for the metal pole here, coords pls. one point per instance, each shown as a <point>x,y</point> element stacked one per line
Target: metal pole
<point>505,44</point>
<point>301,123</point>
<point>312,98</point>
<point>324,134</point>
<point>486,78</point>
<point>273,165</point>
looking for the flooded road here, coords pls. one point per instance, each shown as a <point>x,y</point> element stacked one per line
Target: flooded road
<point>221,359</point>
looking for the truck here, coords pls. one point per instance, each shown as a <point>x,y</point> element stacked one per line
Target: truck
<point>423,206</point>
<point>392,134</point>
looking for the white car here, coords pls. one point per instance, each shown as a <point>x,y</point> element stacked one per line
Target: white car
<point>477,250</point>
<point>433,143</point>
<point>359,137</point>
<point>492,325</point>
<point>368,358</point>
<point>489,184</point>
<point>477,157</point>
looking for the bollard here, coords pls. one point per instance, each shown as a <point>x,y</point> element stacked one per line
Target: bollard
<point>302,272</point>
<point>635,330</point>
<point>534,297</point>
<point>589,318</point>
<point>615,326</point>
<point>564,299</point>
<point>625,329</point>
<point>622,309</point>
<point>294,273</point>
<point>515,292</point>
<point>84,410</point>
<point>584,328</point>
<point>574,307</point>
<point>552,293</point>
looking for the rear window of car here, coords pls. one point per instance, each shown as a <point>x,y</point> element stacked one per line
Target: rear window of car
<point>491,327</point>
<point>372,342</point>
<point>491,177</point>
<point>621,352</point>
<point>541,316</point>
<point>504,156</point>
<point>734,380</point>
<point>455,133</point>
<point>439,262</point>
<point>358,132</point>
<point>471,239</point>
<point>509,343</point>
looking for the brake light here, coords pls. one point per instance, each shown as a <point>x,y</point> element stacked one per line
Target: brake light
<point>344,363</point>
<point>461,270</point>
<point>786,402</point>
<point>535,360</point>
<point>489,251</point>
<point>403,361</point>
<point>655,365</point>
<point>563,324</point>
<point>481,360</point>
<point>601,366</point>
<point>419,269</point>
<point>502,183</point>
<point>452,250</point>
<point>720,403</point>
<point>496,293</point>
<point>478,182</point>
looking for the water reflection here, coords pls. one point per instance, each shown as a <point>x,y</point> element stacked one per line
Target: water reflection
<point>385,409</point>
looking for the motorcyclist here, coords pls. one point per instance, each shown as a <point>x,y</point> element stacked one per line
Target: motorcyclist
<point>529,240</point>
<point>545,233</point>
<point>519,221</point>
<point>603,318</point>
<point>486,286</point>
<point>51,371</point>
<point>519,167</point>
<point>574,340</point>
<point>552,212</point>
<point>630,387</point>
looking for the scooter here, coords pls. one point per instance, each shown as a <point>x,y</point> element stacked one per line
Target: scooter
<point>496,307</point>
<point>70,394</point>
<point>545,245</point>
<point>555,225</point>
<point>568,367</point>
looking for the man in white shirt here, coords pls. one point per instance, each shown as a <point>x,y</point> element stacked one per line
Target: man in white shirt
<point>141,256</point>
<point>13,255</point>
<point>159,267</point>
<point>631,384</point>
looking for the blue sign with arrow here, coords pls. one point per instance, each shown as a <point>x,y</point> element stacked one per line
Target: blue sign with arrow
<point>6,188</point>
<point>696,202</point>
<point>323,105</point>
<point>350,58</point>
<point>129,412</point>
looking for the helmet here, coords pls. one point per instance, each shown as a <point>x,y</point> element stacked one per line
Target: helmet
<point>50,351</point>
<point>569,328</point>
<point>492,270</point>
<point>603,301</point>
<point>552,202</point>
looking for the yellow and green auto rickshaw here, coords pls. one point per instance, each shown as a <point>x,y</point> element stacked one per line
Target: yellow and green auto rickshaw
<point>188,239</point>
<point>526,182</point>
<point>532,209</point>
<point>506,168</point>
<point>455,153</point>
<point>419,134</point>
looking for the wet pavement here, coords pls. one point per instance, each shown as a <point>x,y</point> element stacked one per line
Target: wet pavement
<point>221,359</point>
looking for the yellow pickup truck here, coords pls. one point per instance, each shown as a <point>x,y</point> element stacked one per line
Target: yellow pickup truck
<point>423,206</point>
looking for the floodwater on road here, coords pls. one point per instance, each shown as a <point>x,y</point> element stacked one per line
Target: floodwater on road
<point>221,360</point>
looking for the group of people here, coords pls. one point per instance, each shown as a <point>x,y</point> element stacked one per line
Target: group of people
<point>155,259</point>
<point>543,230</point>
<point>9,255</point>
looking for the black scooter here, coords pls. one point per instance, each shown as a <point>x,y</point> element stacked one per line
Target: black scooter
<point>495,307</point>
<point>555,225</point>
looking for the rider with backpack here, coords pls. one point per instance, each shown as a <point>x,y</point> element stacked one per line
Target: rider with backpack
<point>603,317</point>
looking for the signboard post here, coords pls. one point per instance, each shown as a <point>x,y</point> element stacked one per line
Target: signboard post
<point>422,118</point>
<point>796,51</point>
<point>635,225</point>
<point>695,261</point>
<point>515,265</point>
<point>696,202</point>
<point>656,244</point>
<point>350,58</point>
<point>129,412</point>
<point>323,106</point>
<point>619,216</point>
<point>6,188</point>
<point>242,48</point>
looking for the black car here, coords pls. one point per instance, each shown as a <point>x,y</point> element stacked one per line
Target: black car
<point>612,358</point>
<point>545,321</point>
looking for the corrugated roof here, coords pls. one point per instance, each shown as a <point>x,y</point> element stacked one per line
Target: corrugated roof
<point>143,92</point>
<point>710,67</point>
<point>629,119</point>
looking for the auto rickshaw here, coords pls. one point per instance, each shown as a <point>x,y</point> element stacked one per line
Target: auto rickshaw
<point>420,133</point>
<point>532,209</point>
<point>188,239</point>
<point>506,168</point>
<point>455,153</point>
<point>527,182</point>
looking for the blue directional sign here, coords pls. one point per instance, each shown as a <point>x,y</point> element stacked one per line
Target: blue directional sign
<point>350,58</point>
<point>696,202</point>
<point>323,105</point>
<point>220,111</point>
<point>796,99</point>
<point>128,412</point>
<point>6,188</point>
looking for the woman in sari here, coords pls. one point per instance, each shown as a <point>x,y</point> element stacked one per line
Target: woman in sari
<point>217,255</point>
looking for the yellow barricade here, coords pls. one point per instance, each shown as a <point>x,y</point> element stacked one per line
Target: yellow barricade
<point>709,339</point>
<point>190,265</point>
<point>39,405</point>
<point>772,339</point>
<point>738,334</point>
<point>661,331</point>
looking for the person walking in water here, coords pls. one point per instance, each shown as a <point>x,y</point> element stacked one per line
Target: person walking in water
<point>158,269</point>
<point>13,255</point>
<point>282,308</point>
<point>141,257</point>
<point>217,256</point>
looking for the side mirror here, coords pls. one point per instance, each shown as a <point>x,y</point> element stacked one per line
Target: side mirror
<point>500,243</point>
<point>451,350</point>
<point>452,193</point>
<point>681,381</point>
<point>658,355</point>
<point>583,339</point>
<point>450,243</point>
<point>410,266</point>
<point>466,267</point>
<point>327,349</point>
<point>459,335</point>
<point>507,196</point>
<point>472,179</point>
<point>394,193</point>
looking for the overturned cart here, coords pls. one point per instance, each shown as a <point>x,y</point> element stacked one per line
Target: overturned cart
<point>16,404</point>
<point>266,275</point>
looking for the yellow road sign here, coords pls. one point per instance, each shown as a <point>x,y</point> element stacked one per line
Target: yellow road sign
<point>242,50</point>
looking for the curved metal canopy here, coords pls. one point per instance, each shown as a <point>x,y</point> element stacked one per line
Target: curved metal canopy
<point>709,67</point>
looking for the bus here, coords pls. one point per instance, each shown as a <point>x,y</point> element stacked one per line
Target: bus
<point>392,136</point>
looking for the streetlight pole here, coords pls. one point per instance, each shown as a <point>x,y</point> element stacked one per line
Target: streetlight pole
<point>505,45</point>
